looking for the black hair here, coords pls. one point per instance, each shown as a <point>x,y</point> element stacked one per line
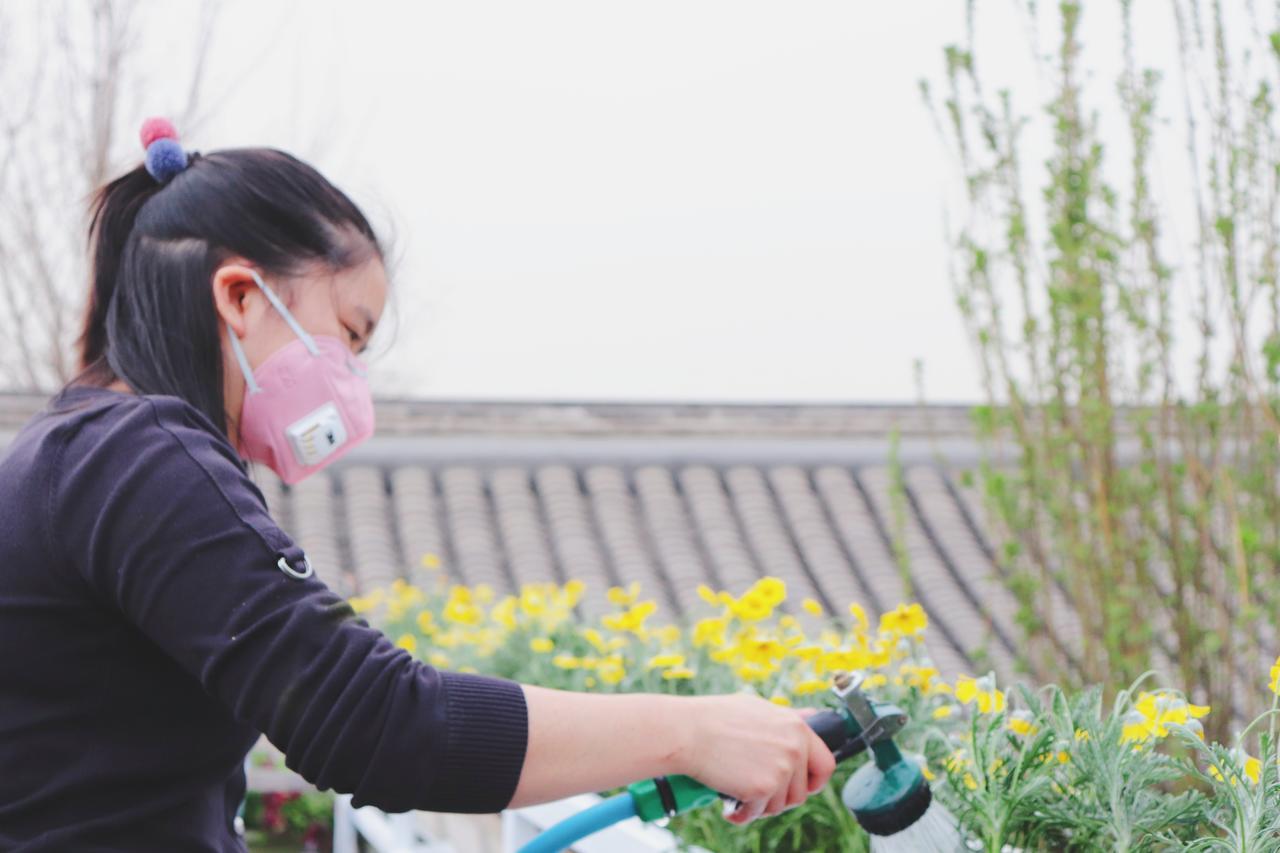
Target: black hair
<point>150,319</point>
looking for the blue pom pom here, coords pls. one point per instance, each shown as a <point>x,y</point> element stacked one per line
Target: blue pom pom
<point>165,158</point>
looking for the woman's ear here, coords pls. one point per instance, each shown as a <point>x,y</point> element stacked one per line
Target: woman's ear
<point>233,284</point>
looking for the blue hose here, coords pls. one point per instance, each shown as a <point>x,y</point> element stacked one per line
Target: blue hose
<point>603,814</point>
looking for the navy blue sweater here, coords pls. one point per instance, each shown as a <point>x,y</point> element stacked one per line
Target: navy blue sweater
<point>147,635</point>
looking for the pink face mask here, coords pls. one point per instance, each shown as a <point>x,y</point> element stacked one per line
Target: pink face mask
<point>306,405</point>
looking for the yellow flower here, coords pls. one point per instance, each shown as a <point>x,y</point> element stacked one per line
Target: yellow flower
<point>665,660</point>
<point>668,634</point>
<point>572,593</point>
<point>982,691</point>
<point>1136,728</point>
<point>761,649</point>
<point>504,612</point>
<point>426,622</point>
<point>408,642</point>
<point>752,607</point>
<point>594,638</point>
<point>920,677</point>
<point>810,685</point>
<point>876,679</point>
<point>709,632</point>
<point>942,712</point>
<point>438,659</point>
<point>1019,723</point>
<point>844,659</point>
<point>708,595</point>
<point>807,653</point>
<point>406,593</point>
<point>904,621</point>
<point>1252,767</point>
<point>752,672</point>
<point>541,644</point>
<point>612,671</point>
<point>1082,735</point>
<point>533,599</point>
<point>484,593</point>
<point>1275,677</point>
<point>860,621</point>
<point>631,619</point>
<point>929,775</point>
<point>623,597</point>
<point>564,661</point>
<point>430,561</point>
<point>780,700</point>
<point>1154,712</point>
<point>462,612</point>
<point>811,607</point>
<point>678,672</point>
<point>772,590</point>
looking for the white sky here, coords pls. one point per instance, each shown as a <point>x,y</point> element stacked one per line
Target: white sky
<point>693,200</point>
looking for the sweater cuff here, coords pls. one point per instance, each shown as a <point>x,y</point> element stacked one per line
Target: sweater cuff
<point>488,725</point>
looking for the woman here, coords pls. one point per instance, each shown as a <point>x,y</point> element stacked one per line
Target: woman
<point>155,618</point>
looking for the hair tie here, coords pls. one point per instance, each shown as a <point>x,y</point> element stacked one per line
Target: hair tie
<point>165,157</point>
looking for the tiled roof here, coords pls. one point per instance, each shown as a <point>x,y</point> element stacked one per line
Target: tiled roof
<point>671,495</point>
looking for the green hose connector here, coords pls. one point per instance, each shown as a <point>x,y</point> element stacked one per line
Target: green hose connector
<point>667,796</point>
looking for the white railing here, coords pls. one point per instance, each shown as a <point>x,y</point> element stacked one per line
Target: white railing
<point>381,832</point>
<point>402,833</point>
<point>519,826</point>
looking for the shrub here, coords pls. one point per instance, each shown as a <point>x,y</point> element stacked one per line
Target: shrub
<point>1033,768</point>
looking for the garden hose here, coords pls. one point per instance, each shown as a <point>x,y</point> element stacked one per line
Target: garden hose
<point>847,729</point>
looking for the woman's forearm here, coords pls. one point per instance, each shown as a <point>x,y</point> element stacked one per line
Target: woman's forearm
<point>580,742</point>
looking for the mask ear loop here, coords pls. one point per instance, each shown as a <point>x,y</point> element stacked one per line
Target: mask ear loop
<point>284,312</point>
<point>249,381</point>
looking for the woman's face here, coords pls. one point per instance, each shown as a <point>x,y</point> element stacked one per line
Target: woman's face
<point>346,305</point>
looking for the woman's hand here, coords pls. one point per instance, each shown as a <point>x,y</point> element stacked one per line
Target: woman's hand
<point>762,754</point>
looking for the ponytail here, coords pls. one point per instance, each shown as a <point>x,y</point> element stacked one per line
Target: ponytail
<point>113,211</point>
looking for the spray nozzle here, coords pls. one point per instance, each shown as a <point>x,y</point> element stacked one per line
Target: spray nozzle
<point>868,723</point>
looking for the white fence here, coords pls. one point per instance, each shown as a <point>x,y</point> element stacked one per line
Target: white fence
<point>369,829</point>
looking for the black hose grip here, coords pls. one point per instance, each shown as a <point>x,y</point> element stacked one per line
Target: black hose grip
<point>831,727</point>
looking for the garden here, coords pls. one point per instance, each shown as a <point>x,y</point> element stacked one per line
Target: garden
<point>1029,767</point>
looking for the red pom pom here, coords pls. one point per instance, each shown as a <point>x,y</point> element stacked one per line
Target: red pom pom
<point>157,128</point>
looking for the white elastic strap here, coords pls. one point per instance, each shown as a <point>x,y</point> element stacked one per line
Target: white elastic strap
<point>291,572</point>
<point>284,312</point>
<point>244,362</point>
